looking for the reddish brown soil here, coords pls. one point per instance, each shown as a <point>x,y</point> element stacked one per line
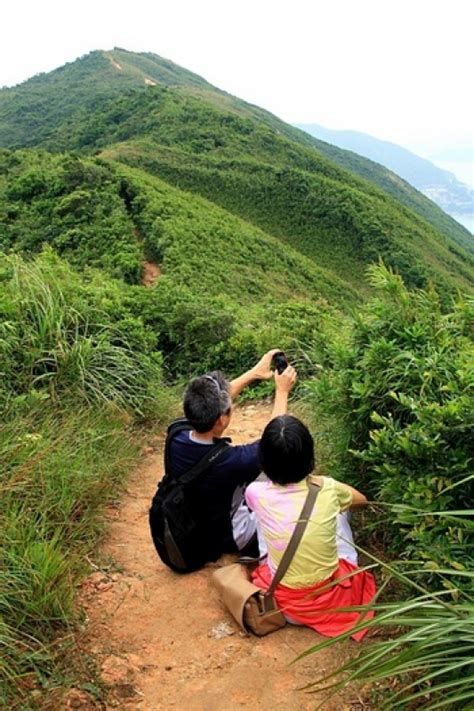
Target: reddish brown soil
<point>151,273</point>
<point>157,636</point>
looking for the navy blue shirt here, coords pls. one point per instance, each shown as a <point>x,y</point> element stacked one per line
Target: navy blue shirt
<point>211,494</point>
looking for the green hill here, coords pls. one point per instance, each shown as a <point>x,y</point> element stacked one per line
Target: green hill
<point>440,185</point>
<point>32,113</point>
<point>191,136</point>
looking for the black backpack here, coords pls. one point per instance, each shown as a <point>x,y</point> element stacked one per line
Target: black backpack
<point>177,536</point>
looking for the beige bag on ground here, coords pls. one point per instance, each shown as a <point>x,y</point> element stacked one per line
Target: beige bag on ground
<point>252,608</point>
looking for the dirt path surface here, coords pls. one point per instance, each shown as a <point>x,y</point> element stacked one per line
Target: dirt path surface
<point>165,641</point>
<point>151,273</point>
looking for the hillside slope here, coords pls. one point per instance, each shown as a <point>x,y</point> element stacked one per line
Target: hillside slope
<point>99,214</point>
<point>32,113</point>
<point>292,192</point>
<point>338,220</point>
<point>439,185</point>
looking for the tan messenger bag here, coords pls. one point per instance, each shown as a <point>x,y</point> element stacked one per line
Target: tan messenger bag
<point>252,608</point>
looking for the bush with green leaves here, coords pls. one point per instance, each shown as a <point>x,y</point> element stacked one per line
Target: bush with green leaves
<point>71,204</point>
<point>398,402</point>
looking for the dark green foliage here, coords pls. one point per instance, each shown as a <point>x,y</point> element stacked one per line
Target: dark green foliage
<point>400,396</point>
<point>71,204</point>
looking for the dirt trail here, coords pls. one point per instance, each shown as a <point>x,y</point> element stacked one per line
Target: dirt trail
<point>165,641</point>
<point>151,273</point>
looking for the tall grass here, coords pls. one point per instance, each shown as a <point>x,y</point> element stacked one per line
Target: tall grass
<point>71,387</point>
<point>56,338</point>
<point>59,468</point>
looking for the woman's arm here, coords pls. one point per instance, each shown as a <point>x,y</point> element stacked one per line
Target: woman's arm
<point>284,383</point>
<point>358,499</point>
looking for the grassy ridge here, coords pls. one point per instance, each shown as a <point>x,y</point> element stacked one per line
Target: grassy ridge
<point>339,220</point>
<point>96,213</point>
<point>37,111</point>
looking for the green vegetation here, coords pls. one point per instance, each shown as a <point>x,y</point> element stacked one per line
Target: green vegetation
<point>260,240</point>
<point>338,226</point>
<point>37,111</point>
<point>290,191</point>
<point>427,646</point>
<point>74,377</point>
<point>394,407</point>
<point>72,205</point>
<point>399,394</point>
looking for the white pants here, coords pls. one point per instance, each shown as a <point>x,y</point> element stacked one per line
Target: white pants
<point>244,524</point>
<point>344,539</point>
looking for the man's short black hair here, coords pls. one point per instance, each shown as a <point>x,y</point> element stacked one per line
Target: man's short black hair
<point>286,450</point>
<point>206,399</point>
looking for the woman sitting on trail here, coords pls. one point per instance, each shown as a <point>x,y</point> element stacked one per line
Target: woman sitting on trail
<point>326,552</point>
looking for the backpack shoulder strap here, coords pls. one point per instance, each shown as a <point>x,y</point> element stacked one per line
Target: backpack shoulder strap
<point>177,426</point>
<point>214,451</point>
<point>205,462</point>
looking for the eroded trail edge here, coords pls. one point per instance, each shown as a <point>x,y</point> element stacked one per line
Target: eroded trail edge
<point>165,641</point>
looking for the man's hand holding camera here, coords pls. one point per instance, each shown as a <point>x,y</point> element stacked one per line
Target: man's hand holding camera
<point>274,364</point>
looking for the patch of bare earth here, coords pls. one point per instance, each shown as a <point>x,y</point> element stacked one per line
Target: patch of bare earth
<point>113,62</point>
<point>151,273</point>
<point>165,641</point>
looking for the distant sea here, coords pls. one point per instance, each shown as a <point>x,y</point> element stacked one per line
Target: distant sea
<point>464,171</point>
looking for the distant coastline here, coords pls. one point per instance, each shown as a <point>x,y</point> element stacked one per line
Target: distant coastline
<point>463,170</point>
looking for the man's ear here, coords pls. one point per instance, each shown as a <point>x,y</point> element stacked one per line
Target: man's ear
<point>224,419</point>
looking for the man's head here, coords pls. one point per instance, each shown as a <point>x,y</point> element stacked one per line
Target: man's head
<point>286,450</point>
<point>207,402</point>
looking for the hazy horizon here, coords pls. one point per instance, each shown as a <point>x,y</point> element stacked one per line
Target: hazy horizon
<point>400,72</point>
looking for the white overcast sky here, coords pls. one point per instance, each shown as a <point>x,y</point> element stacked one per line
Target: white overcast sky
<point>398,69</point>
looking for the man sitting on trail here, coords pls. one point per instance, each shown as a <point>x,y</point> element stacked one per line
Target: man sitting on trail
<point>199,512</point>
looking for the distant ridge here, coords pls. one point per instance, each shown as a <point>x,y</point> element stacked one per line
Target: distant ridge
<point>437,184</point>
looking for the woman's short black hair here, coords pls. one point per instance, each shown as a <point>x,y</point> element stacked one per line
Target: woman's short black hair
<point>286,450</point>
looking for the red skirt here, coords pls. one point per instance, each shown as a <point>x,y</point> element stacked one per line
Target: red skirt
<point>319,610</point>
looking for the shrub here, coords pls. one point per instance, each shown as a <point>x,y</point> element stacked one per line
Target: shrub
<point>400,401</point>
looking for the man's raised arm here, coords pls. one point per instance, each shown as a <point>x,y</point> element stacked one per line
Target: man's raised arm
<point>261,371</point>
